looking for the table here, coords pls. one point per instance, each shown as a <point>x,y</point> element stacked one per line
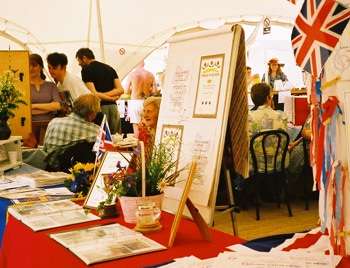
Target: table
<point>24,248</point>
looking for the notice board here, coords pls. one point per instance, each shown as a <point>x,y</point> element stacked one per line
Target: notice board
<point>195,106</point>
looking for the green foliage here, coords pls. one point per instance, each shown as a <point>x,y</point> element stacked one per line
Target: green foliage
<point>160,172</point>
<point>10,97</point>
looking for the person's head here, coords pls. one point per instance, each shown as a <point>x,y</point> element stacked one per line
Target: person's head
<point>36,66</point>
<point>84,56</point>
<point>275,66</point>
<point>261,94</point>
<point>57,63</point>
<point>87,106</point>
<point>150,111</point>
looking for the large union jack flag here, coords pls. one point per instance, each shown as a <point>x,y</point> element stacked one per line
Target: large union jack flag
<point>317,31</point>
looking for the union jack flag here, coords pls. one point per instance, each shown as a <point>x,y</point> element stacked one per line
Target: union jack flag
<point>317,31</point>
<point>104,138</point>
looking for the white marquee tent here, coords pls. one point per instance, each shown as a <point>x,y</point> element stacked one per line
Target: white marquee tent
<point>130,30</point>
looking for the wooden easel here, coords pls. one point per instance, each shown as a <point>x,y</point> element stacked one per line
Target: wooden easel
<point>197,217</point>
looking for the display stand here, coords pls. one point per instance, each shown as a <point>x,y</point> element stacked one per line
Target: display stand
<point>196,216</point>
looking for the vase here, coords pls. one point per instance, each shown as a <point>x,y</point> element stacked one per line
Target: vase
<point>129,205</point>
<point>5,131</point>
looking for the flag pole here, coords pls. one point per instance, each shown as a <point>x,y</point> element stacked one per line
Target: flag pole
<point>97,150</point>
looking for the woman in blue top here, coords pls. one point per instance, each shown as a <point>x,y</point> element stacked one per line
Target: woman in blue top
<point>275,73</point>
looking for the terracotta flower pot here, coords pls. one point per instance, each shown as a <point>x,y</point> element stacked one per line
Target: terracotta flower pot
<point>129,205</point>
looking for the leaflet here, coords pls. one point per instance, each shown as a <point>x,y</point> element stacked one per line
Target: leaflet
<point>106,242</point>
<point>46,215</point>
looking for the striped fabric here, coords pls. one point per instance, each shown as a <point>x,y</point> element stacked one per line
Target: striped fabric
<point>238,115</point>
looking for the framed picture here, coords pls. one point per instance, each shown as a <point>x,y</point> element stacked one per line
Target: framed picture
<point>208,86</point>
<point>98,190</point>
<point>173,133</point>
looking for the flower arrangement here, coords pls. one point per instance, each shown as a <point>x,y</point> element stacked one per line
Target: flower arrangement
<point>80,179</point>
<point>160,169</point>
<point>10,97</point>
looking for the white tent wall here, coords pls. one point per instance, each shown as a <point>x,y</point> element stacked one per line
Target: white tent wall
<point>138,27</point>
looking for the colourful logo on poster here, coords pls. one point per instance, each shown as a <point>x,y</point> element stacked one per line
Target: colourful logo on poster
<point>212,67</point>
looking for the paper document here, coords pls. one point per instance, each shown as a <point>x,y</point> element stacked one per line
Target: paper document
<point>46,215</point>
<point>106,242</point>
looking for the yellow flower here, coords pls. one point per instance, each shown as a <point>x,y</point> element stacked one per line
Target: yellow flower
<point>89,167</point>
<point>78,166</point>
<point>161,185</point>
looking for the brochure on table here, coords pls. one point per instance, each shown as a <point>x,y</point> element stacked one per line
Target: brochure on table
<point>45,215</point>
<point>106,242</point>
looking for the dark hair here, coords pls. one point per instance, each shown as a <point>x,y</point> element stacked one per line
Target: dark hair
<point>56,59</point>
<point>259,93</point>
<point>36,59</point>
<point>87,52</point>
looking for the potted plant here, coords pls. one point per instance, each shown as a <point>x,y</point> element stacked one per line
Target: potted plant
<point>126,182</point>
<point>10,99</point>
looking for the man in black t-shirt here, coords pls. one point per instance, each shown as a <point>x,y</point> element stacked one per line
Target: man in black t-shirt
<point>102,80</point>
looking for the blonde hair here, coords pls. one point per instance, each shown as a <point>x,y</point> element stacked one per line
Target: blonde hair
<point>86,104</point>
<point>153,100</point>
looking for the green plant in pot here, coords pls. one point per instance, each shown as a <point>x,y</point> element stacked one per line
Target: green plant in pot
<point>10,99</point>
<point>126,182</point>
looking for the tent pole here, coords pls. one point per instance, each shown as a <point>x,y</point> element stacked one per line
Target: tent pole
<point>100,33</point>
<point>89,25</point>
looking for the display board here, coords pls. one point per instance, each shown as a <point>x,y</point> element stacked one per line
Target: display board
<point>195,106</point>
<point>18,63</point>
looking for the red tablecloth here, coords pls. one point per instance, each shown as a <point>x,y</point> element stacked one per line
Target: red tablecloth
<point>23,248</point>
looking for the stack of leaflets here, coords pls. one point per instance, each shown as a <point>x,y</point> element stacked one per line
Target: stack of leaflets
<point>43,178</point>
<point>45,215</point>
<point>28,194</point>
<point>106,242</point>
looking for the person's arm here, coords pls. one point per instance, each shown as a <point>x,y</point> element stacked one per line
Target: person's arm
<point>116,91</point>
<point>103,96</point>
<point>44,108</point>
<point>128,85</point>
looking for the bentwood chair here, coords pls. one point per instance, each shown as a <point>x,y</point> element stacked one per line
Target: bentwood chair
<point>268,151</point>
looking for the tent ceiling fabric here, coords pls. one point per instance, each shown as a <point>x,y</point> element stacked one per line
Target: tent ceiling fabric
<point>136,26</point>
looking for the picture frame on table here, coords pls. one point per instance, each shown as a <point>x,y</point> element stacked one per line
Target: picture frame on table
<point>108,165</point>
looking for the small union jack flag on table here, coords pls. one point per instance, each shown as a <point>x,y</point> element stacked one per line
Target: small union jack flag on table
<point>104,138</point>
<point>317,31</point>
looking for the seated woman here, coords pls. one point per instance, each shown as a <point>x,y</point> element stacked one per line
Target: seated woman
<point>44,96</point>
<point>264,118</point>
<point>148,125</point>
<point>274,73</point>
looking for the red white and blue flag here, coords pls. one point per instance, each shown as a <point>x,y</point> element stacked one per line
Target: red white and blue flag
<point>317,31</point>
<point>104,138</point>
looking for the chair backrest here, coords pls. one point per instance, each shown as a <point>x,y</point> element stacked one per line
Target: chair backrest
<point>274,146</point>
<point>63,158</point>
